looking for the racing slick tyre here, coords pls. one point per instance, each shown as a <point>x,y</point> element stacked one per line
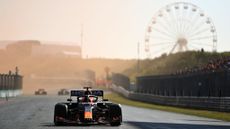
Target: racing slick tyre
<point>115,115</point>
<point>60,113</point>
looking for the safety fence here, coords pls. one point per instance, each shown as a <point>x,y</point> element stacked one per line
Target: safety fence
<point>206,84</point>
<point>209,91</point>
<point>10,85</point>
<point>207,103</point>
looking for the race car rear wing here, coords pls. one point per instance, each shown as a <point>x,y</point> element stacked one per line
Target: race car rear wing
<point>79,93</point>
<point>97,93</point>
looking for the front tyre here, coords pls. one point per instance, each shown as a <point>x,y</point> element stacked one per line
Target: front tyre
<point>115,115</point>
<point>60,113</point>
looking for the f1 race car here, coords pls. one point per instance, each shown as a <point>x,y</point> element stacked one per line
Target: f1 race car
<point>40,92</point>
<point>88,107</point>
<point>63,92</point>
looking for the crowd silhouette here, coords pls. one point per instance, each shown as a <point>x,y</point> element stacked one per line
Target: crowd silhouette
<point>222,63</point>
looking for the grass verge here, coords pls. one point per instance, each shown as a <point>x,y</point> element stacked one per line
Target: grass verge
<point>202,113</point>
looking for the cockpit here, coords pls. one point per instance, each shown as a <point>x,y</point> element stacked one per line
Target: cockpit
<point>87,98</point>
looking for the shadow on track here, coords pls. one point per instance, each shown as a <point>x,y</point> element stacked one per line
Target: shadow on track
<point>151,125</point>
<point>73,125</point>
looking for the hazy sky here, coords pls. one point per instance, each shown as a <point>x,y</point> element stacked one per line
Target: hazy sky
<point>112,28</point>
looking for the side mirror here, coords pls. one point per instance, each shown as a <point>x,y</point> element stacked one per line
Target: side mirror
<point>105,100</point>
<point>69,99</point>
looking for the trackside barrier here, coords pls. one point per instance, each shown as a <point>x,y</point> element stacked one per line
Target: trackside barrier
<point>207,103</point>
<point>10,85</point>
<point>120,90</point>
<point>199,84</point>
<point>121,80</point>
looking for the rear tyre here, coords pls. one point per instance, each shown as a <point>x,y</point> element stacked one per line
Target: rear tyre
<point>115,115</point>
<point>60,111</point>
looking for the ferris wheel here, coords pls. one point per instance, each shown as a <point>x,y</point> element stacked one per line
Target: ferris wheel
<point>179,27</point>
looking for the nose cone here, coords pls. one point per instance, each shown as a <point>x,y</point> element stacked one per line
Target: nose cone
<point>88,112</point>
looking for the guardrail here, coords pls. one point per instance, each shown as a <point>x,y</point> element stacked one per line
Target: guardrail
<point>207,103</point>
